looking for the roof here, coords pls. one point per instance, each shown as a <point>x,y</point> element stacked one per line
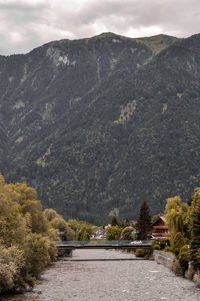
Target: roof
<point>159,217</point>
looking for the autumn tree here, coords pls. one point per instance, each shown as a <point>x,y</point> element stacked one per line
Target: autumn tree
<point>25,244</point>
<point>50,214</point>
<point>84,234</point>
<point>176,214</point>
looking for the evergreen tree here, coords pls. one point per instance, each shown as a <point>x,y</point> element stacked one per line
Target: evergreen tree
<point>125,223</point>
<point>114,221</point>
<point>195,242</point>
<point>144,221</point>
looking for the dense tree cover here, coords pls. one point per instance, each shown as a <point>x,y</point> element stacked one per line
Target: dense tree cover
<point>113,141</point>
<point>59,225</point>
<point>26,235</point>
<point>184,224</point>
<point>82,229</point>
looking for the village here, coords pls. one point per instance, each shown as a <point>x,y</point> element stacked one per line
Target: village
<point>160,230</point>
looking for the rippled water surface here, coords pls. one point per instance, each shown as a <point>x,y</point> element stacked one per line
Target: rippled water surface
<point>109,281</point>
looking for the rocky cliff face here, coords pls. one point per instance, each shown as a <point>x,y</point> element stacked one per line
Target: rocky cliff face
<point>102,123</point>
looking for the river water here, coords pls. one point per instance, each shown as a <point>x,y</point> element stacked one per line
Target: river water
<point>109,280</point>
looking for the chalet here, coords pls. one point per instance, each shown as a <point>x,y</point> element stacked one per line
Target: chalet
<point>160,228</point>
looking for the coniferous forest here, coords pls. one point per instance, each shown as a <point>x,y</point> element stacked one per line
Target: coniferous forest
<point>97,125</point>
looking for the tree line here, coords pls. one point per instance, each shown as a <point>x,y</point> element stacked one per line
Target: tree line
<point>28,235</point>
<point>183,219</point>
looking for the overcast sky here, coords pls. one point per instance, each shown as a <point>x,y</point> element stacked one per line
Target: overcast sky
<point>26,24</point>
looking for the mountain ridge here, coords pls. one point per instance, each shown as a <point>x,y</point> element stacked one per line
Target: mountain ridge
<point>102,125</point>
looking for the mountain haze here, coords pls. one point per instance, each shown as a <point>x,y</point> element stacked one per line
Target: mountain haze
<point>103,123</point>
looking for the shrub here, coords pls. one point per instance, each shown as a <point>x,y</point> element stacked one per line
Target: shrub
<point>38,252</point>
<point>162,244</point>
<point>84,233</point>
<point>69,234</point>
<point>184,257</point>
<point>156,247</point>
<point>143,253</point>
<point>140,253</point>
<point>113,232</point>
<point>168,249</point>
<point>11,263</point>
<point>177,242</point>
<point>25,246</point>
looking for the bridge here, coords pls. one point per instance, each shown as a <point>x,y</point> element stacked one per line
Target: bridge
<point>104,244</point>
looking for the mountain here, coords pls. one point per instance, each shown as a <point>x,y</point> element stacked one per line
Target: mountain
<point>103,123</point>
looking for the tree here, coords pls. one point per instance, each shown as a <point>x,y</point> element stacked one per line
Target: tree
<point>190,212</point>
<point>61,225</point>
<point>143,224</point>
<point>74,225</point>
<point>114,221</point>
<point>127,233</point>
<point>175,214</point>
<point>195,241</point>
<point>177,242</point>
<point>125,223</point>
<point>50,214</point>
<point>113,233</point>
<point>84,233</point>
<point>11,262</point>
<point>25,246</point>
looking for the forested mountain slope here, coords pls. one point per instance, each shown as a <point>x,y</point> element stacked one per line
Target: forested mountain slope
<point>102,123</point>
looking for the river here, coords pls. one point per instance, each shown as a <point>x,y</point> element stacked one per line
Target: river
<point>120,279</point>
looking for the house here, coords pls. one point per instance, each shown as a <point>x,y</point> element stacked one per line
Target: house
<point>160,228</point>
<point>98,234</point>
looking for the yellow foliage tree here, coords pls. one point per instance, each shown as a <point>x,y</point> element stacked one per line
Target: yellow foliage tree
<point>25,245</point>
<point>175,214</point>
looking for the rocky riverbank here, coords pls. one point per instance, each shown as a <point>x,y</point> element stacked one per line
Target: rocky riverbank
<point>130,280</point>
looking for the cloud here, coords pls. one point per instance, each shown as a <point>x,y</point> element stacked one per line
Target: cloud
<point>25,24</point>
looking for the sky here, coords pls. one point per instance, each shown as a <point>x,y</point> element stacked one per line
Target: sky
<point>27,24</point>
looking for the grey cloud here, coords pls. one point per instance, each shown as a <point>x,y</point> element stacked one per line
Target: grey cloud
<point>22,5</point>
<point>37,23</point>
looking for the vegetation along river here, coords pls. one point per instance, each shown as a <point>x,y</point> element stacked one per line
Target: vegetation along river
<point>109,280</point>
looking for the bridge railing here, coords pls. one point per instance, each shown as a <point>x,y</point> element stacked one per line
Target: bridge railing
<point>105,242</point>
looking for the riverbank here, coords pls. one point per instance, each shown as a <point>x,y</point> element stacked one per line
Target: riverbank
<point>130,280</point>
<point>167,259</point>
